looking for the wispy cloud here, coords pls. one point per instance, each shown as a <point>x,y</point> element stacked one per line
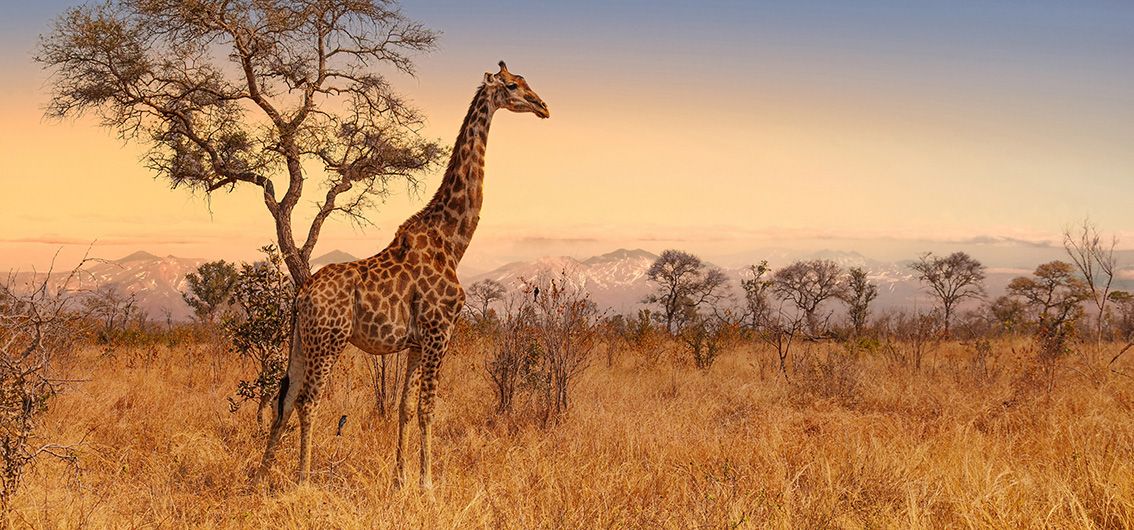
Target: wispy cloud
<point>1002,241</point>
<point>120,241</point>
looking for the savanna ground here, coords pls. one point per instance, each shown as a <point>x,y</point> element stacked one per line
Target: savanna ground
<point>974,438</point>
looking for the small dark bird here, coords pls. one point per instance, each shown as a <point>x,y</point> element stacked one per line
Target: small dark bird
<point>535,294</point>
<point>342,421</point>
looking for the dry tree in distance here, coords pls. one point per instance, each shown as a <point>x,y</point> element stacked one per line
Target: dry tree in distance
<point>951,279</point>
<point>229,93</point>
<point>807,285</point>
<point>683,284</point>
<point>1095,260</point>
<point>858,295</point>
<point>210,288</point>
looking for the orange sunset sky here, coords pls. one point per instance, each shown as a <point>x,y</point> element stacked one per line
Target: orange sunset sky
<point>718,127</point>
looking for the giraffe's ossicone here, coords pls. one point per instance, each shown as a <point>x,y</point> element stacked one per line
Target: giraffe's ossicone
<point>405,298</point>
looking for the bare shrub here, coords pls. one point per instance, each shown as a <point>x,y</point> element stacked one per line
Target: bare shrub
<point>1095,260</point>
<point>515,350</point>
<point>544,339</point>
<point>38,325</point>
<point>646,341</point>
<point>566,324</point>
<point>761,318</point>
<point>385,378</point>
<point>706,337</point>
<point>909,339</point>
<point>780,330</point>
<point>113,309</point>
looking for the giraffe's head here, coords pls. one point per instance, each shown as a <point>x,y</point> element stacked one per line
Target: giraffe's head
<point>510,91</point>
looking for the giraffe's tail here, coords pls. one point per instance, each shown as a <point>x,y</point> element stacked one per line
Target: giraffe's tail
<point>293,379</point>
<point>289,390</point>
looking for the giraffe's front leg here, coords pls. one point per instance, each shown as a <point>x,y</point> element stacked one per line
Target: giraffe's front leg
<point>412,362</point>
<point>431,362</point>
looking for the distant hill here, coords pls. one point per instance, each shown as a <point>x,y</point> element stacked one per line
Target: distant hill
<point>334,256</point>
<point>157,282</point>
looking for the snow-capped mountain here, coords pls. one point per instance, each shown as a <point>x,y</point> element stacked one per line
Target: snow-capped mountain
<point>616,280</point>
<point>156,282</point>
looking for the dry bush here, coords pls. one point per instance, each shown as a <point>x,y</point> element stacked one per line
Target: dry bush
<point>909,339</point>
<point>38,326</point>
<point>542,343</point>
<point>264,295</point>
<point>834,375</point>
<point>515,351</point>
<point>640,339</point>
<point>707,336</point>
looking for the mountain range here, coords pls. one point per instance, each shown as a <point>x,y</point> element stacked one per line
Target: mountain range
<point>616,280</point>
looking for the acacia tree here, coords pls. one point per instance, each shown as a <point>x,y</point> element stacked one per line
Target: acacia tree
<point>807,284</point>
<point>1124,320</point>
<point>1096,262</point>
<point>210,287</point>
<point>858,294</point>
<point>684,284</point>
<point>229,93</point>
<point>952,279</point>
<point>1055,296</point>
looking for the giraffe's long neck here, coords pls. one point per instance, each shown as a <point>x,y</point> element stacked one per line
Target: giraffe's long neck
<point>456,205</point>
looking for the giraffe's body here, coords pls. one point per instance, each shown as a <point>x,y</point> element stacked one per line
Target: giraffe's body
<point>405,298</point>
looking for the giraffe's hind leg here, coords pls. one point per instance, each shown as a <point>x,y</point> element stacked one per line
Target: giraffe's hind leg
<point>292,382</point>
<point>317,370</point>
<point>412,362</point>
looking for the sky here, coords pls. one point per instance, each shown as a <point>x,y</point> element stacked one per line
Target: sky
<point>729,129</point>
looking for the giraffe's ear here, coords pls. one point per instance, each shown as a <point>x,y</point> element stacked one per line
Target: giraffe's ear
<point>490,78</point>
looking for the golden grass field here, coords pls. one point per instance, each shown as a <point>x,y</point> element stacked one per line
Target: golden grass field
<point>863,444</point>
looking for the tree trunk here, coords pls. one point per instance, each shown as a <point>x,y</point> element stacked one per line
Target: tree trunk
<point>293,257</point>
<point>948,316</point>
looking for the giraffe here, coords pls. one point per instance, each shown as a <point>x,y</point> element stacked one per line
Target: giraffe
<point>405,298</point>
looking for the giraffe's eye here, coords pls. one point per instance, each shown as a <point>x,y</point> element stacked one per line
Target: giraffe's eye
<point>512,86</point>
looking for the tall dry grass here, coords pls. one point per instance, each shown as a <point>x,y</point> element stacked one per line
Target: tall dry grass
<point>852,440</point>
